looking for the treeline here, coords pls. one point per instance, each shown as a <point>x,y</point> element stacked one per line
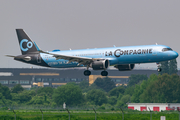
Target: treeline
<point>169,67</point>
<point>103,92</point>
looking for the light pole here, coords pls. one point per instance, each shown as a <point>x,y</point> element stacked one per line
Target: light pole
<point>95,113</point>
<point>68,112</point>
<point>150,113</point>
<point>42,114</point>
<point>122,114</point>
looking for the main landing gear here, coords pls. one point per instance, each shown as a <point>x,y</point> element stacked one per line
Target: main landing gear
<point>88,73</point>
<point>159,67</point>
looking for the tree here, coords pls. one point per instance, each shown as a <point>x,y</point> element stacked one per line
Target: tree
<point>166,89</point>
<point>96,96</point>
<point>138,91</point>
<point>4,90</point>
<point>2,100</point>
<point>129,90</point>
<point>91,87</point>
<point>135,79</point>
<point>123,100</point>
<point>84,84</point>
<point>112,100</point>
<point>173,67</point>
<point>45,91</point>
<point>70,94</point>
<point>116,91</point>
<point>140,88</point>
<point>164,67</point>
<point>39,100</point>
<point>105,83</point>
<point>22,97</point>
<point>17,88</point>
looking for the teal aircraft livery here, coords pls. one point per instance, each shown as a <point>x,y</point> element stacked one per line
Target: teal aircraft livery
<point>122,58</point>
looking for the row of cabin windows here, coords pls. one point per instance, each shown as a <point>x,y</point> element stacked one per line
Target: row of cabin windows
<point>84,54</point>
<point>90,54</point>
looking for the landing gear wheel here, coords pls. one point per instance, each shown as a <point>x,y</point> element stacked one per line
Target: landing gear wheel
<point>87,73</point>
<point>104,73</point>
<point>159,69</point>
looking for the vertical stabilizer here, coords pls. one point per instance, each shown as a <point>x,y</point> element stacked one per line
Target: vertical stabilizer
<point>25,43</point>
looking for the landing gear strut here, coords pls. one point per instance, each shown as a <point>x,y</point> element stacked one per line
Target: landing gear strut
<point>159,67</point>
<point>104,73</point>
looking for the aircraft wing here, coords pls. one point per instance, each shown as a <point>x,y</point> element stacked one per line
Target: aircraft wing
<point>80,60</point>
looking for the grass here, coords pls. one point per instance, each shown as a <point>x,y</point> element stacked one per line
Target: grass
<point>85,115</point>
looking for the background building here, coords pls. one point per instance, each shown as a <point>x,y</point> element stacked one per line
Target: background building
<point>153,106</point>
<point>29,77</point>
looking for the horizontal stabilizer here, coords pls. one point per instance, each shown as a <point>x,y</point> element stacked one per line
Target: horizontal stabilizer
<point>10,56</point>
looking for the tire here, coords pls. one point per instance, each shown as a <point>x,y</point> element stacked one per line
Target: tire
<point>87,73</point>
<point>104,73</point>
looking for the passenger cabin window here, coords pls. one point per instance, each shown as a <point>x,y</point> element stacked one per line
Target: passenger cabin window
<point>166,49</point>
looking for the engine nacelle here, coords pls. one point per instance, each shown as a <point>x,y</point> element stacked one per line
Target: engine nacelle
<point>125,67</point>
<point>100,64</point>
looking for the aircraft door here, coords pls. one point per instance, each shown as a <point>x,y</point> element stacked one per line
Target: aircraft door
<point>38,59</point>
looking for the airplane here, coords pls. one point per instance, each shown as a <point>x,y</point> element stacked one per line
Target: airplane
<point>122,58</point>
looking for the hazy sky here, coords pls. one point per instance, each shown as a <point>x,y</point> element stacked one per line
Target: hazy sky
<point>79,24</point>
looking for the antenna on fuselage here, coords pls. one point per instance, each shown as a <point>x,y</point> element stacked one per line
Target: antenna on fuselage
<point>114,46</point>
<point>156,44</point>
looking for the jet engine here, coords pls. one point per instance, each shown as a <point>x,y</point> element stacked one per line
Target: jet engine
<point>125,67</point>
<point>100,64</point>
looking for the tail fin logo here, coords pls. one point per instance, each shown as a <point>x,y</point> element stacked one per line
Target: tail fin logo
<point>29,45</point>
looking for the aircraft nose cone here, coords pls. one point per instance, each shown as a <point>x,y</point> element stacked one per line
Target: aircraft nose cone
<point>175,54</point>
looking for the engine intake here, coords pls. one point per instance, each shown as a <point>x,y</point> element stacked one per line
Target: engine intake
<point>100,64</point>
<point>125,67</point>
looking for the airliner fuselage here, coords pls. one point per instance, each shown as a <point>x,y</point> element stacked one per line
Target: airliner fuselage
<point>115,55</point>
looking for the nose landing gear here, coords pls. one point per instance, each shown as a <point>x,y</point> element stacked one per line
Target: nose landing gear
<point>159,67</point>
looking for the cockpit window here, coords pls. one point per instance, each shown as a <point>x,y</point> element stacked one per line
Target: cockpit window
<point>166,49</point>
